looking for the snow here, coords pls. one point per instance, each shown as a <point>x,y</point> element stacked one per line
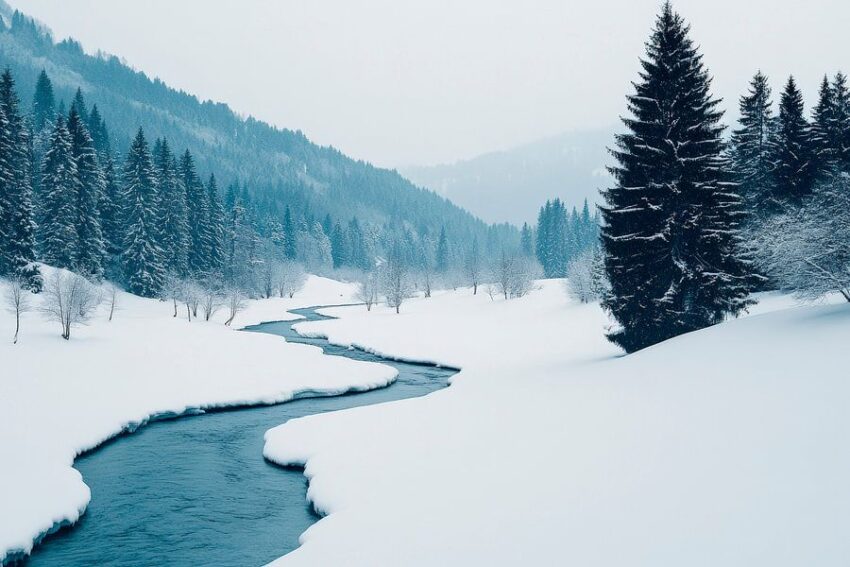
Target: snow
<point>726,446</point>
<point>60,398</point>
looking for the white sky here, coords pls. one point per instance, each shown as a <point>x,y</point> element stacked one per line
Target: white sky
<point>401,82</point>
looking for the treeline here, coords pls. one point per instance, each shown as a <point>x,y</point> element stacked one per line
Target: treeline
<point>148,217</point>
<point>274,168</point>
<point>560,236</point>
<point>694,224</point>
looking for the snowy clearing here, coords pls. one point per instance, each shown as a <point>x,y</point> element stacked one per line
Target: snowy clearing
<point>722,447</point>
<point>59,398</point>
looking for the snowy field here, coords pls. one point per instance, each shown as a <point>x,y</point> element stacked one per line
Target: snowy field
<point>723,447</point>
<point>58,398</point>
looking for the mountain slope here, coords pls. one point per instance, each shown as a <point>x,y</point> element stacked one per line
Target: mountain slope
<point>274,163</point>
<point>510,186</point>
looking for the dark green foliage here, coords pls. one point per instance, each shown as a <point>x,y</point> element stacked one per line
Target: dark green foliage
<point>670,230</point>
<point>795,167</point>
<point>43,103</point>
<point>17,223</point>
<point>442,260</point>
<point>90,247</point>
<point>173,211</point>
<point>144,273</point>
<point>753,149</point>
<point>57,227</point>
<point>213,230</point>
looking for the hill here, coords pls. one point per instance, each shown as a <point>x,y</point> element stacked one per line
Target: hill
<point>278,166</point>
<point>510,185</point>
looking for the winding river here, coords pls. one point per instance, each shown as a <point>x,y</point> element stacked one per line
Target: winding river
<point>197,491</point>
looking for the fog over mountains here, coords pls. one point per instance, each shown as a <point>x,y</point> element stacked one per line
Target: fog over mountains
<point>510,185</point>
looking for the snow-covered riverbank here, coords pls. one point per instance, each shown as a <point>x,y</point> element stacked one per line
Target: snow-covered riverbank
<point>722,447</point>
<point>59,398</point>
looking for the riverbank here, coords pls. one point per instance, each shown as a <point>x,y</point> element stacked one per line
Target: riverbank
<point>60,398</point>
<point>721,447</point>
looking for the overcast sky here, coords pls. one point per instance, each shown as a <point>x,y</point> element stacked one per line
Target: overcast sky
<point>401,82</point>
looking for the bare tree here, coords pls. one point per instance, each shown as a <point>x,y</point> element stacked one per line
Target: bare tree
<point>473,268</point>
<point>172,290</point>
<point>69,299</point>
<point>210,299</point>
<point>17,299</point>
<point>396,281</point>
<point>112,299</point>
<point>290,278</point>
<point>586,278</point>
<point>191,295</point>
<point>367,290</point>
<point>235,300</point>
<point>513,275</point>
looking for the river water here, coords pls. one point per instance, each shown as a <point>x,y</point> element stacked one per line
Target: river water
<point>197,491</point>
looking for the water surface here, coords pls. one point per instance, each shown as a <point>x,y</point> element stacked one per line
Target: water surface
<point>197,491</point>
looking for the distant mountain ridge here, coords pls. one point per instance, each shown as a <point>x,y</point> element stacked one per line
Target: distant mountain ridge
<point>276,164</point>
<point>511,185</point>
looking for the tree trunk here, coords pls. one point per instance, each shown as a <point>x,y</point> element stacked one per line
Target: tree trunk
<point>17,326</point>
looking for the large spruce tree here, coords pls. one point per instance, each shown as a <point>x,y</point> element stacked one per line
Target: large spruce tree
<point>213,231</point>
<point>197,213</point>
<point>57,212</point>
<point>794,158</point>
<point>174,239</point>
<point>144,273</point>
<point>17,223</point>
<point>753,149</point>
<point>90,249</point>
<point>671,220</point>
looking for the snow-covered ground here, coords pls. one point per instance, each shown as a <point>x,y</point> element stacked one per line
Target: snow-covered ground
<point>58,398</point>
<point>723,447</point>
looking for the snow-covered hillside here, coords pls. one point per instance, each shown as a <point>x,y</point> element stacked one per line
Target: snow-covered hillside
<point>723,447</point>
<point>58,398</point>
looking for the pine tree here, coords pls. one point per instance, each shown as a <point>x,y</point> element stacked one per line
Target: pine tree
<point>99,134</point>
<point>174,215</point>
<point>825,141</point>
<point>43,104</point>
<point>198,214</point>
<point>671,220</point>
<point>90,248</point>
<point>79,103</point>
<point>753,149</point>
<point>339,246</point>
<point>57,227</point>
<point>290,248</point>
<point>526,241</point>
<point>144,273</point>
<point>442,263</point>
<point>841,118</point>
<point>213,236</point>
<point>795,172</point>
<point>111,220</point>
<point>17,238</point>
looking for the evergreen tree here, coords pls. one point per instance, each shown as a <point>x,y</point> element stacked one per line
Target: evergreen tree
<point>358,253</point>
<point>17,225</point>
<point>795,172</point>
<point>671,220</point>
<point>57,227</point>
<point>753,148</point>
<point>290,248</point>
<point>527,241</point>
<point>174,215</point>
<point>90,248</point>
<point>213,236</point>
<point>841,98</point>
<point>99,134</point>
<point>442,263</point>
<point>43,104</point>
<point>144,273</point>
<point>110,207</point>
<point>198,214</point>
<point>79,103</point>
<point>339,246</point>
<point>825,141</point>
